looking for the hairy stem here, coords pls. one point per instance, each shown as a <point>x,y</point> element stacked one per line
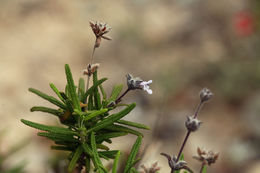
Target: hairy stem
<point>188,133</point>
<point>119,98</point>
<point>89,69</point>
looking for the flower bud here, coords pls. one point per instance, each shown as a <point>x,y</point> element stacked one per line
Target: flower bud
<point>192,124</point>
<point>205,94</point>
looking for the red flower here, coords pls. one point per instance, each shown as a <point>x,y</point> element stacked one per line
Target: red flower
<point>244,23</point>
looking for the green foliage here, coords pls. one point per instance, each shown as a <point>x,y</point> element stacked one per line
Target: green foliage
<point>87,124</point>
<point>204,170</point>
<point>132,156</point>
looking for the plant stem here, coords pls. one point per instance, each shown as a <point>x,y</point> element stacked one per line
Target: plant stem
<point>198,109</point>
<point>202,166</point>
<point>119,98</point>
<point>91,62</point>
<point>188,133</point>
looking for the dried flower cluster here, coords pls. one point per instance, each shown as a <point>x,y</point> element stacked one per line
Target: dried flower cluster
<point>100,29</point>
<point>153,169</point>
<point>206,157</point>
<point>176,164</point>
<point>192,124</point>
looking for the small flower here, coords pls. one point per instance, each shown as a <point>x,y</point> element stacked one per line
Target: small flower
<point>146,86</point>
<point>192,124</point>
<point>153,169</point>
<point>205,94</point>
<point>176,165</point>
<point>207,157</point>
<point>100,29</point>
<point>90,69</point>
<point>137,83</point>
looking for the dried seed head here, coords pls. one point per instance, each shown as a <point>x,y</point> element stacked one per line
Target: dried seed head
<point>152,169</point>
<point>137,83</point>
<point>100,29</point>
<point>91,69</point>
<point>192,124</point>
<point>207,157</point>
<point>174,164</point>
<point>205,94</point>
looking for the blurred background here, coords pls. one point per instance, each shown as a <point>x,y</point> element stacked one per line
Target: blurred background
<point>182,45</point>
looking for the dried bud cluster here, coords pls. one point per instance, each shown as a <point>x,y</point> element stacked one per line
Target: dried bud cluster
<point>100,29</point>
<point>207,157</point>
<point>153,169</point>
<point>192,124</point>
<point>205,94</point>
<point>91,69</point>
<point>137,83</point>
<point>175,164</point>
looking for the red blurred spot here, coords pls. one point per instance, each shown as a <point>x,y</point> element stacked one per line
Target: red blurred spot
<point>244,23</point>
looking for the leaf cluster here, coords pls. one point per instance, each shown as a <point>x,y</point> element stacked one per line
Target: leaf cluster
<point>88,124</point>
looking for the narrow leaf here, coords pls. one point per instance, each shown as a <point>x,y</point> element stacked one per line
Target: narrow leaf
<point>115,92</point>
<point>72,88</point>
<point>49,98</point>
<point>58,137</point>
<point>53,129</point>
<point>204,170</point>
<point>53,87</point>
<point>91,89</point>
<point>110,154</point>
<point>133,153</point>
<point>133,124</point>
<point>87,149</point>
<point>81,88</point>
<point>112,118</point>
<point>75,158</point>
<point>46,110</point>
<point>114,169</point>
<point>96,159</point>
<point>123,129</point>
<point>97,99</point>
<point>103,92</point>
<point>95,113</point>
<point>101,138</point>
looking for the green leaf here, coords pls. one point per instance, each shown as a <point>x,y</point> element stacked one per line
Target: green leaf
<point>75,158</point>
<point>72,88</point>
<point>133,153</point>
<point>91,89</point>
<point>62,148</point>
<point>87,149</point>
<point>133,124</point>
<point>103,92</point>
<point>97,99</point>
<point>95,113</point>
<point>96,160</point>
<point>87,165</point>
<point>204,170</point>
<point>101,138</point>
<point>52,129</point>
<point>90,102</point>
<point>102,146</point>
<point>110,154</point>
<point>115,92</point>
<point>119,128</point>
<point>53,87</point>
<point>58,137</point>
<point>81,88</point>
<point>112,118</point>
<point>46,110</point>
<point>114,169</point>
<point>49,98</point>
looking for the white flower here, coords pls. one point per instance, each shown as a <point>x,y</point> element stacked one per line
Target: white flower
<point>145,86</point>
